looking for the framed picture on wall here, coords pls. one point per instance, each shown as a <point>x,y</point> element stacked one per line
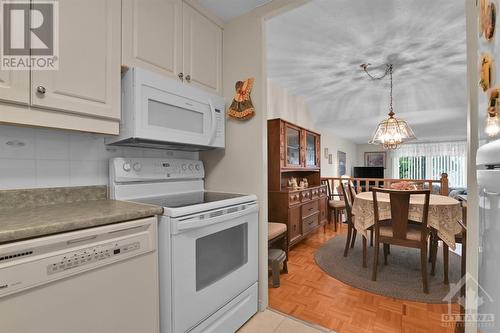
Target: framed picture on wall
<point>342,163</point>
<point>375,159</point>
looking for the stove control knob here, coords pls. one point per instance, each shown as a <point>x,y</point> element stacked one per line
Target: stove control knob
<point>137,166</point>
<point>184,167</point>
<point>191,167</point>
<point>126,167</point>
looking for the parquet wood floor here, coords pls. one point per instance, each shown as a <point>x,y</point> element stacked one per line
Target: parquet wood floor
<point>309,294</point>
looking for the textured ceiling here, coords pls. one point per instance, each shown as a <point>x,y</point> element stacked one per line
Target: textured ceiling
<point>314,51</point>
<point>229,9</point>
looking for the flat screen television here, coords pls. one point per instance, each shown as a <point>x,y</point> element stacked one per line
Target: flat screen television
<point>368,172</point>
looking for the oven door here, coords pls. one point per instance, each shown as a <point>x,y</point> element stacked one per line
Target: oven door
<point>168,117</point>
<point>213,261</point>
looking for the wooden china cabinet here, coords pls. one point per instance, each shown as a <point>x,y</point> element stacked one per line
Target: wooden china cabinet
<point>294,151</point>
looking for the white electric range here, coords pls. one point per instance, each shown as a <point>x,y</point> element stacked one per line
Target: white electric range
<point>207,243</point>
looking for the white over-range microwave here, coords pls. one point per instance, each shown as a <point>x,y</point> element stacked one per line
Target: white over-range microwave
<point>160,112</point>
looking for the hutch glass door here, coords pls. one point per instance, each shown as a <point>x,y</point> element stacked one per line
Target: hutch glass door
<point>310,150</point>
<point>292,146</point>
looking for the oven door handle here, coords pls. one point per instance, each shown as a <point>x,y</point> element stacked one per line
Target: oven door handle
<point>192,223</point>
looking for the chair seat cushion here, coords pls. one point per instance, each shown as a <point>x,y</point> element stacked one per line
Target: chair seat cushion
<point>275,229</point>
<point>340,204</point>
<point>413,232</point>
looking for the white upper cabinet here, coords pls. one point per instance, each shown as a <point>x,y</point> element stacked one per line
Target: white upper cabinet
<point>202,51</point>
<point>152,35</point>
<point>97,37</point>
<point>171,38</point>
<point>15,86</point>
<point>88,79</point>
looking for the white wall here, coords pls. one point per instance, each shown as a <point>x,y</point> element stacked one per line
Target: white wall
<point>334,144</point>
<point>52,158</point>
<point>362,149</point>
<point>242,167</point>
<point>282,104</point>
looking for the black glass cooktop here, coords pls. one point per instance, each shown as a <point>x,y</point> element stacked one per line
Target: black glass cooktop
<point>188,199</point>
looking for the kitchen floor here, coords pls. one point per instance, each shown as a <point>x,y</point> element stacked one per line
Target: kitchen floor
<point>309,294</point>
<point>274,322</point>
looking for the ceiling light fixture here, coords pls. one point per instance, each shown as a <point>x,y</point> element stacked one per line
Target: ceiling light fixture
<point>492,122</point>
<point>391,132</point>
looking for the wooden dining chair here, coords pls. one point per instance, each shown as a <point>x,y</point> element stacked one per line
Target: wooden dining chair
<point>351,231</point>
<point>460,238</point>
<point>400,231</point>
<point>335,206</point>
<point>349,196</point>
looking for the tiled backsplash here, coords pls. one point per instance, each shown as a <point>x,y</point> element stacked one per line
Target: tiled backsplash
<point>35,157</point>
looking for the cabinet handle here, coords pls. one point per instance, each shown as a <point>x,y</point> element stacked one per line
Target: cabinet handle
<point>188,78</point>
<point>41,89</point>
<point>181,76</point>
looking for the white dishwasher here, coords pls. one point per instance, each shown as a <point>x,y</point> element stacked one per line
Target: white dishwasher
<point>96,280</point>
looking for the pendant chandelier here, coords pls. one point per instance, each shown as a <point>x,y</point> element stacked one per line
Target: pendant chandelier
<point>391,132</point>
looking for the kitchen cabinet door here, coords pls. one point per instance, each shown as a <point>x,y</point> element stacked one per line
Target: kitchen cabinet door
<point>202,51</point>
<point>88,79</point>
<point>152,35</point>
<point>15,86</point>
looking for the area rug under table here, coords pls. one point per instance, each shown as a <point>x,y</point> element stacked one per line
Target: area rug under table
<point>401,278</point>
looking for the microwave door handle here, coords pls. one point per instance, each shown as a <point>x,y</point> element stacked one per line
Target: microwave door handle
<point>213,120</point>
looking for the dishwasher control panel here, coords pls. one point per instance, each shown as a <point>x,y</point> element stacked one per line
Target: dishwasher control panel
<point>91,255</point>
<point>31,263</point>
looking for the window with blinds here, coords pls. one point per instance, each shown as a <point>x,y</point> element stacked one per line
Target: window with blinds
<point>431,167</point>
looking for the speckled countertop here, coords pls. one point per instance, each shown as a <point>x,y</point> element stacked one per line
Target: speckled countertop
<point>39,212</point>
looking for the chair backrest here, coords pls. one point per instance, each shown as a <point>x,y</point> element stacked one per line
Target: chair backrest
<point>352,190</point>
<point>346,188</point>
<point>400,206</point>
<point>328,188</point>
<point>340,193</point>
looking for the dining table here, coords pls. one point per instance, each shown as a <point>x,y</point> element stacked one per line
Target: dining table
<point>444,213</point>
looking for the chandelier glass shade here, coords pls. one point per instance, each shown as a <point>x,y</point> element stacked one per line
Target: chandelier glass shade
<point>390,132</point>
<point>492,124</point>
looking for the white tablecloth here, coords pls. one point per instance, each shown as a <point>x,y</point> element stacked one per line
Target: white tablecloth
<point>444,213</point>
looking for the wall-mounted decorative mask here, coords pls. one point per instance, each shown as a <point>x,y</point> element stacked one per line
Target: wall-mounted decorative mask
<point>242,107</point>
<point>486,72</point>
<point>487,19</point>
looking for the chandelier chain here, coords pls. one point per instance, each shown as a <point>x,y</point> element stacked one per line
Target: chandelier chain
<point>391,112</point>
<point>391,132</point>
<point>388,70</point>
